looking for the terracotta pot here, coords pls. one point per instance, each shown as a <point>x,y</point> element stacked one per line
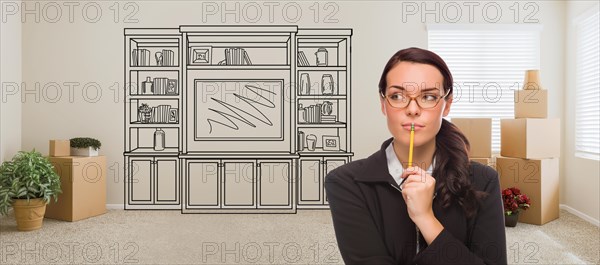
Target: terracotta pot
<point>511,220</point>
<point>29,214</point>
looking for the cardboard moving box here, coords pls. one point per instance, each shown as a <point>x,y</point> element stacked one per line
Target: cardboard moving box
<point>530,138</point>
<point>60,148</point>
<point>479,133</point>
<point>483,160</point>
<point>531,104</point>
<point>536,178</point>
<point>83,184</point>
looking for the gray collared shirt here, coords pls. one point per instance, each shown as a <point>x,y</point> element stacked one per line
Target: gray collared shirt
<point>395,167</point>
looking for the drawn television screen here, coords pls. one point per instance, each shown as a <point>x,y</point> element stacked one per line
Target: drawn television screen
<point>238,110</point>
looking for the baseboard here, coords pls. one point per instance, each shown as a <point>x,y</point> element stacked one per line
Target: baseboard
<point>115,207</point>
<point>580,214</point>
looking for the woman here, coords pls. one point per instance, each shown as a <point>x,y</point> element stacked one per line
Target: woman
<point>447,210</point>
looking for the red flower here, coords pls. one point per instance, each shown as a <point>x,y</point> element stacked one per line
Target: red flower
<point>514,201</point>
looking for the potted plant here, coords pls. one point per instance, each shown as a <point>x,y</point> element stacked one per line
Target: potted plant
<point>27,183</point>
<point>514,202</point>
<point>145,113</point>
<point>84,146</point>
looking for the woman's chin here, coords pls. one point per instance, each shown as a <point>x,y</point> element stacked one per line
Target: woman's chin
<point>402,142</point>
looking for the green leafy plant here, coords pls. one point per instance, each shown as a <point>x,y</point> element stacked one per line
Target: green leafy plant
<point>28,175</point>
<point>85,142</point>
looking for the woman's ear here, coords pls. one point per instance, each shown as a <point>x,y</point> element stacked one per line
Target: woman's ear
<point>382,101</point>
<point>448,104</point>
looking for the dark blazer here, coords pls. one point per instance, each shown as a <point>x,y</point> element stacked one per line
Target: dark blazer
<point>372,225</point>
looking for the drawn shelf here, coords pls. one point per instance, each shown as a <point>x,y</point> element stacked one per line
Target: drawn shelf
<point>318,51</point>
<point>239,67</point>
<point>321,68</point>
<point>154,68</point>
<point>320,152</point>
<point>154,125</point>
<point>322,83</point>
<point>141,138</point>
<point>322,125</point>
<point>149,151</point>
<point>153,97</point>
<point>154,82</point>
<point>154,52</point>
<point>239,50</point>
<point>154,111</point>
<point>322,97</point>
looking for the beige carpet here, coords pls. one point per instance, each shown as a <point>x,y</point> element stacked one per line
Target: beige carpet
<point>168,237</point>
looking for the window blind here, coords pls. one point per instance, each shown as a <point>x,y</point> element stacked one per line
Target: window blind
<point>488,64</point>
<point>587,110</point>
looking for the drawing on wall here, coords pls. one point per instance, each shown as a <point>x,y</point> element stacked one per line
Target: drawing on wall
<point>235,119</point>
<point>201,55</point>
<point>235,56</point>
<point>238,109</point>
<point>331,143</point>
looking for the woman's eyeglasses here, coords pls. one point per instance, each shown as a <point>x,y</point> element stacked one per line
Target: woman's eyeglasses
<point>425,100</point>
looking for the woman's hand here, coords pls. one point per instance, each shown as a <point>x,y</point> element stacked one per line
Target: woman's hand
<point>418,192</point>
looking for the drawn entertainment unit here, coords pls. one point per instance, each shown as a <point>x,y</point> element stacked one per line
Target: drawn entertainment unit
<point>235,119</point>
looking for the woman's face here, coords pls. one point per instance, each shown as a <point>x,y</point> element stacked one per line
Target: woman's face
<point>414,79</point>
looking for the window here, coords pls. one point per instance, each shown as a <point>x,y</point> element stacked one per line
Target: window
<point>587,110</point>
<point>488,63</point>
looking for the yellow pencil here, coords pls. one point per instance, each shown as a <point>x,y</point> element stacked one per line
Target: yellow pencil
<point>412,142</point>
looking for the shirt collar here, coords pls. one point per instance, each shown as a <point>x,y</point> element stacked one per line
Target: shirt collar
<point>395,167</point>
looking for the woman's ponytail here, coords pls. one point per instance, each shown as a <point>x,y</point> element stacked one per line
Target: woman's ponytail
<point>453,165</point>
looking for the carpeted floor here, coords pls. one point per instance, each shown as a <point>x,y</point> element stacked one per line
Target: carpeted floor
<point>169,237</point>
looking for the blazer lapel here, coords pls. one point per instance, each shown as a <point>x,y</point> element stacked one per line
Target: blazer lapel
<point>376,169</point>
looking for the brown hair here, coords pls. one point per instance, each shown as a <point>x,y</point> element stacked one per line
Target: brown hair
<point>452,167</point>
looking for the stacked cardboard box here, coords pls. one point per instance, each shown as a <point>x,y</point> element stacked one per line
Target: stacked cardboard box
<point>60,148</point>
<point>530,151</point>
<point>479,133</point>
<point>532,100</point>
<point>83,184</point>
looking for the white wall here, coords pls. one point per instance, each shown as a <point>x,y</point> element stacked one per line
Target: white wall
<point>580,177</point>
<point>90,53</point>
<point>10,78</point>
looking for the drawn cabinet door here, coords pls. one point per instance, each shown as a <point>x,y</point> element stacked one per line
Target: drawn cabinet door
<point>140,186</point>
<point>239,184</point>
<point>274,184</point>
<point>332,163</point>
<point>203,185</point>
<point>167,180</point>
<point>310,186</point>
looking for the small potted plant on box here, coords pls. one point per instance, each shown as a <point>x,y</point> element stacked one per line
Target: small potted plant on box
<point>514,202</point>
<point>144,113</point>
<point>84,146</point>
<point>27,183</point>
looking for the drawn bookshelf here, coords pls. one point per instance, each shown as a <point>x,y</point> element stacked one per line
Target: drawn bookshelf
<point>152,104</point>
<point>234,119</point>
<point>323,123</point>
